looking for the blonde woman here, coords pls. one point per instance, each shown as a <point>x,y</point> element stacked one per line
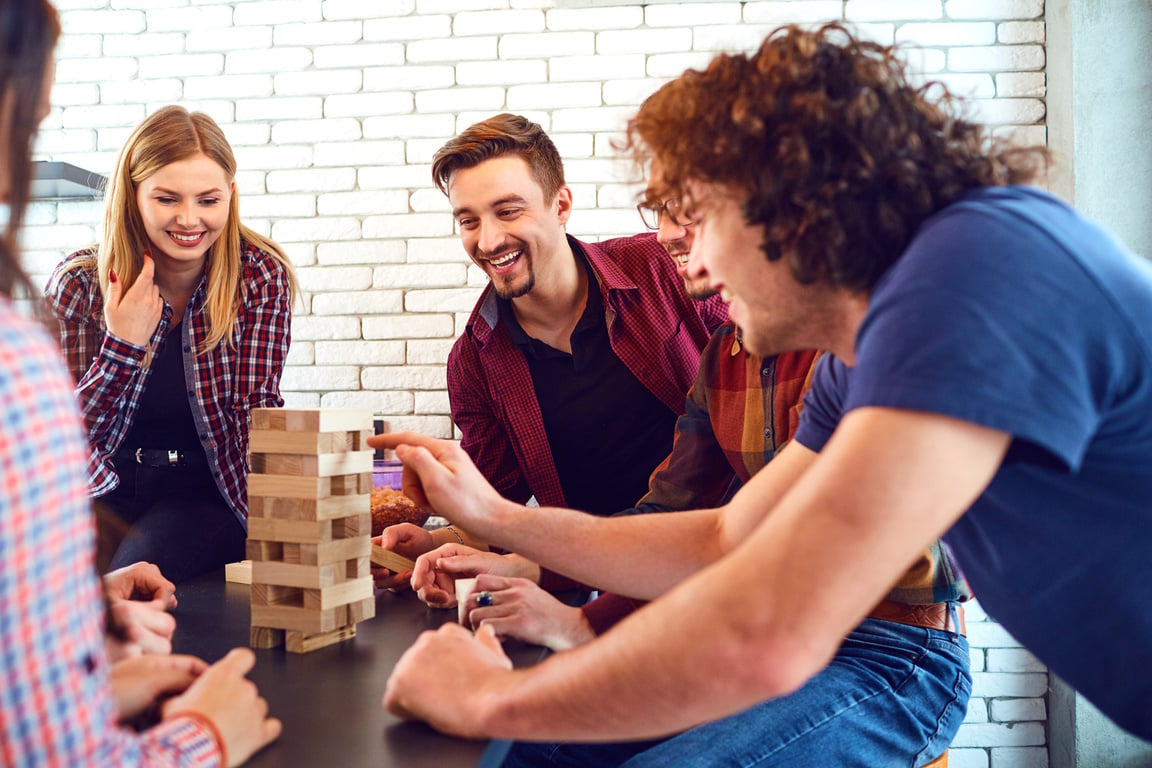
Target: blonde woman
<point>175,325</point>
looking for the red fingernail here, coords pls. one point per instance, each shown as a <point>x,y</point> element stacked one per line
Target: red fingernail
<point>111,275</point>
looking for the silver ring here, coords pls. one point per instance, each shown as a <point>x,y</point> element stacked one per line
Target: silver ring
<point>484,599</point>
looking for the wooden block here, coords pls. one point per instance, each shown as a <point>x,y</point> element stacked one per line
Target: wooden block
<point>336,551</point>
<point>303,642</point>
<point>464,588</point>
<point>338,594</point>
<point>296,575</point>
<point>361,610</point>
<point>329,508</point>
<point>289,486</point>
<point>360,441</point>
<point>265,637</point>
<point>346,485</point>
<point>292,531</point>
<point>274,594</point>
<point>312,419</point>
<point>293,617</point>
<point>263,550</point>
<point>352,526</point>
<point>238,573</point>
<point>318,465</point>
<point>360,568</point>
<point>311,443</point>
<point>386,558</point>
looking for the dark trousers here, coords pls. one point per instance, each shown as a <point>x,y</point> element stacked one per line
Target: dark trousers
<point>171,516</point>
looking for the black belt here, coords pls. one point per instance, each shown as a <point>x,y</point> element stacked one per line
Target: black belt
<point>158,457</point>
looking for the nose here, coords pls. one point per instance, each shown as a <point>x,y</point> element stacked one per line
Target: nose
<point>186,214</point>
<point>696,269</point>
<point>490,237</point>
<point>669,231</point>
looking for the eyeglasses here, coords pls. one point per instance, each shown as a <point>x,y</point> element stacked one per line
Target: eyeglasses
<point>650,214</point>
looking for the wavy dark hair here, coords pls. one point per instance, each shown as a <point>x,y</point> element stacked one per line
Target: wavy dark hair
<point>500,135</point>
<point>839,157</point>
<point>28,33</point>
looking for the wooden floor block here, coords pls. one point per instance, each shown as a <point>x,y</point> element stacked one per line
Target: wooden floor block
<point>312,419</point>
<point>329,508</point>
<point>316,465</point>
<point>386,558</point>
<point>238,573</point>
<point>338,594</point>
<point>303,642</point>
<point>265,637</point>
<point>311,443</point>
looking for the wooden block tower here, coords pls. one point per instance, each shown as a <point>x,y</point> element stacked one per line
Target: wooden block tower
<point>309,526</point>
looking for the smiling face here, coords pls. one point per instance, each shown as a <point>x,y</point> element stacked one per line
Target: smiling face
<point>507,227</point>
<point>184,207</point>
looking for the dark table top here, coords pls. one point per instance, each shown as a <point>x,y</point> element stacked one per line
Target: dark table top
<point>330,699</point>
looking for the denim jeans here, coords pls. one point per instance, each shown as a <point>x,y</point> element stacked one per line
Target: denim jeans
<point>894,695</point>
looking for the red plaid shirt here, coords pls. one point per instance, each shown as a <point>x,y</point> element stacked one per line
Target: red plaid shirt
<point>55,707</point>
<point>653,327</point>
<point>241,373</point>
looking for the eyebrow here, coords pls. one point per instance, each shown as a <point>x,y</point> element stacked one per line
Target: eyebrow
<point>166,191</point>
<point>494,204</point>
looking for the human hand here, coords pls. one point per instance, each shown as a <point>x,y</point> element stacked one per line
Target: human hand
<point>133,315</point>
<point>137,682</point>
<point>140,581</point>
<point>446,677</point>
<point>404,539</point>
<point>144,628</point>
<point>231,702</point>
<point>436,572</point>
<point>438,474</point>
<point>521,609</point>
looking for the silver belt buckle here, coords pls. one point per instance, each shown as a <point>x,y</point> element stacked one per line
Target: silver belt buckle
<point>173,458</point>
<point>138,459</point>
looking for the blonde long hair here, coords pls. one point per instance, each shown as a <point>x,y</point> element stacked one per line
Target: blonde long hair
<point>167,136</point>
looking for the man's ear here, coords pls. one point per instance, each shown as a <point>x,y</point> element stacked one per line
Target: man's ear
<point>563,204</point>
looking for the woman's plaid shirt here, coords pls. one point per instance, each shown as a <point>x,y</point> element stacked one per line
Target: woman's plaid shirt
<point>241,373</point>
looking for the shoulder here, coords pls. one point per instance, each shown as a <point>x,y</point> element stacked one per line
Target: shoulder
<point>637,261</point>
<point>74,281</point>
<point>254,259</point>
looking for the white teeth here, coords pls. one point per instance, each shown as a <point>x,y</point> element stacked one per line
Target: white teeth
<point>725,294</point>
<point>683,258</point>
<point>505,260</point>
<point>185,238</point>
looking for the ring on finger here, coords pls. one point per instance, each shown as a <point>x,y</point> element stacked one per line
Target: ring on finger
<point>484,599</point>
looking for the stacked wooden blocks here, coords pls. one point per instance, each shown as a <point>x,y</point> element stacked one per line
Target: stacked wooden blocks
<point>309,526</point>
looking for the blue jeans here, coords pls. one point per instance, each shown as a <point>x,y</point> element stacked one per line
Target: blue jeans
<point>894,695</point>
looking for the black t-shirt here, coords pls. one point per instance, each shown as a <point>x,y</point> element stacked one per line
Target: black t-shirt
<point>164,417</point>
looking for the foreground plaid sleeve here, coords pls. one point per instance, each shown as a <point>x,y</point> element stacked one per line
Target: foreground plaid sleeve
<point>55,708</point>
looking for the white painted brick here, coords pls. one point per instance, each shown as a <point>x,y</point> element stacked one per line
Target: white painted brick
<point>599,119</point>
<point>554,95</point>
<point>421,150</point>
<point>996,111</point>
<point>436,251</point>
<point>404,377</point>
<point>563,19</point>
<point>112,139</point>
<point>137,91</point>
<point>221,110</point>
<point>74,94</point>
<point>466,118</point>
<point>1022,135</point>
<point>1015,32</point>
<point>966,85</point>
<point>228,86</point>
<point>76,139</point>
<point>395,177</point>
<point>362,203</point>
<point>102,21</point>
<point>414,77</point>
<point>456,6</point>
<point>976,658</point>
<point>143,45</point>
<point>947,33</point>
<point>497,22</point>
<point>78,46</point>
<point>690,15</point>
<point>379,402</point>
<point>597,170</point>
<point>1019,757</point>
<point>923,59</point>
<point>408,28</point>
<point>41,212</point>
<point>743,38</point>
<point>408,225</point>
<point>617,92</point>
<point>268,157</point>
<point>322,33</point>
<point>359,152</point>
<point>461,49</point>
<point>69,5</point>
<point>562,68</point>
<point>230,40</point>
<point>973,612</point>
<point>300,399</point>
<point>429,201</point>
<point>189,19</point>
<point>272,61</point>
<point>248,134</point>
<point>321,82</point>
<point>476,277</point>
<point>317,230</point>
<point>1013,660</point>
<point>429,351</point>
<point>1017,710</point>
<point>358,9</point>
<point>280,108</point>
<point>977,711</point>
<point>882,34</point>
<point>433,426</point>
<point>359,353</point>
<point>301,353</point>
<point>1023,685</point>
<point>301,255</point>
<point>994,9</point>
<point>278,206</point>
<point>419,276</point>
<point>360,104</point>
<point>65,237</point>
<point>363,252</point>
<point>407,327</point>
<point>409,126</point>
<point>460,98</point>
<point>317,378</point>
<point>306,327</point>
<point>967,758</point>
<point>441,300</point>
<point>431,402</point>
<point>619,196</point>
<point>501,72</point>
<point>102,115</point>
<point>95,70</point>
<point>996,58</point>
<point>790,11</point>
<point>359,55</point>
<point>309,131</point>
<point>279,12</point>
<point>461,319</point>
<point>311,180</point>
<point>1021,84</point>
<point>999,735</point>
<point>670,65</point>
<point>647,41</point>
<point>363,303</point>
<point>877,10</point>
<point>573,145</point>
<point>100,162</point>
<point>544,45</point>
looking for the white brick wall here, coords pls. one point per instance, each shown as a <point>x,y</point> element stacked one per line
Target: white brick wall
<point>335,107</point>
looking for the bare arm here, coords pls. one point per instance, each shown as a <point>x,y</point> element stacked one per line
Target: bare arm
<point>754,625</point>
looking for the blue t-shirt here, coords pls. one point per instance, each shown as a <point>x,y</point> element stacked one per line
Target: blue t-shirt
<point>1011,311</point>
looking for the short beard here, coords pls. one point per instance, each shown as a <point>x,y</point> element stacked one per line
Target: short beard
<point>514,293</point>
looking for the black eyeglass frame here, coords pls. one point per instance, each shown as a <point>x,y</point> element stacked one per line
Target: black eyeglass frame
<point>669,207</point>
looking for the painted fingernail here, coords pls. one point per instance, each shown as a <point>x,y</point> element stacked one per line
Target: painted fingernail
<point>111,275</point>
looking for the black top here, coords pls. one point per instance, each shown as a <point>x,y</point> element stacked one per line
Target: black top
<point>607,432</point>
<point>164,418</point>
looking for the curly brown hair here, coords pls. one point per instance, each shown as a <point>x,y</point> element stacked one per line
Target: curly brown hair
<point>497,136</point>
<point>839,157</point>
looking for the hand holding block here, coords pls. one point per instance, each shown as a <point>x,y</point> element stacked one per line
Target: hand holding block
<point>464,588</point>
<point>386,558</point>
